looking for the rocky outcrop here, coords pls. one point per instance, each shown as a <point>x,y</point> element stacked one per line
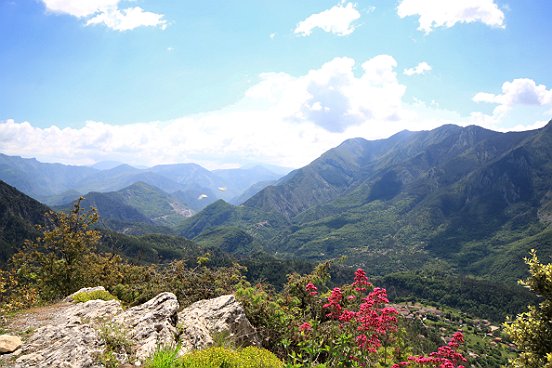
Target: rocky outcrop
<point>68,345</point>
<point>151,324</point>
<point>208,320</point>
<point>81,334</point>
<point>9,344</point>
<point>74,341</point>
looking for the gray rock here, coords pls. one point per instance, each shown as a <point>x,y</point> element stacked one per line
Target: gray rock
<point>73,342</point>
<point>63,346</point>
<point>96,311</point>
<point>151,324</point>
<point>76,337</point>
<point>224,316</point>
<point>83,290</point>
<point>9,343</point>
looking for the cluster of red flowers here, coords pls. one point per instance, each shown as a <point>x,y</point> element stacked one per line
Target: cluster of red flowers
<point>445,357</point>
<point>334,303</point>
<point>311,289</point>
<point>305,327</point>
<point>361,280</point>
<point>372,321</point>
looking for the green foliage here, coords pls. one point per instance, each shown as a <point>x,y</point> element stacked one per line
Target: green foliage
<point>274,313</point>
<point>483,298</point>
<point>114,337</point>
<point>61,260</point>
<point>217,357</point>
<point>64,259</point>
<point>18,214</point>
<point>85,296</point>
<point>164,358</point>
<point>531,331</point>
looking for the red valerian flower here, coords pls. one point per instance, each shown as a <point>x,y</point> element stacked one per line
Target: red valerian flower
<point>444,357</point>
<point>361,282</point>
<point>311,289</point>
<point>305,327</point>
<point>333,304</point>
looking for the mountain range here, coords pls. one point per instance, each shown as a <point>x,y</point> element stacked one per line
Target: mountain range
<point>465,200</point>
<point>442,215</point>
<point>57,184</point>
<point>462,199</point>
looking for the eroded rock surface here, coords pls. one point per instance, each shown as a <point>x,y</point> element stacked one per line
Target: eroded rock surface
<point>220,318</point>
<point>76,336</point>
<point>9,343</point>
<point>151,324</point>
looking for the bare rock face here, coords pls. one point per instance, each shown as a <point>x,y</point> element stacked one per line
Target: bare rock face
<point>96,311</point>
<point>72,345</point>
<point>9,344</point>
<point>151,324</point>
<point>79,335</point>
<point>72,342</point>
<point>221,318</point>
<point>77,343</point>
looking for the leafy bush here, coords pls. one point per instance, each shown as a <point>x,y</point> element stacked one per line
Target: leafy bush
<point>531,331</point>
<point>85,296</point>
<point>251,357</point>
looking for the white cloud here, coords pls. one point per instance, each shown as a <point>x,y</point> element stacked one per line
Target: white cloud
<point>522,91</point>
<point>447,13</point>
<point>282,119</point>
<point>338,20</point>
<point>80,8</point>
<point>333,97</point>
<point>421,68</point>
<point>108,13</point>
<point>128,19</point>
<point>521,100</point>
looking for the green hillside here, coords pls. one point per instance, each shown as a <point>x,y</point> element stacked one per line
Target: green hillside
<point>18,215</point>
<point>466,200</point>
<point>138,209</point>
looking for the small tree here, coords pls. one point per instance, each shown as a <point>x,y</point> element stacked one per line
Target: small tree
<point>56,262</point>
<point>532,331</point>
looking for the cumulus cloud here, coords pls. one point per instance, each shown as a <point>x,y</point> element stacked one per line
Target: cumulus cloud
<point>447,13</point>
<point>337,20</point>
<point>521,100</point>
<point>108,13</point>
<point>522,91</point>
<point>282,119</point>
<point>333,97</point>
<point>421,68</point>
<point>128,19</point>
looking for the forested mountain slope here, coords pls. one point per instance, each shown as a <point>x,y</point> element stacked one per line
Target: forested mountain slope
<point>466,199</point>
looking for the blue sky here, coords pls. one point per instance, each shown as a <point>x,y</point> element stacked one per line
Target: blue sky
<point>227,83</point>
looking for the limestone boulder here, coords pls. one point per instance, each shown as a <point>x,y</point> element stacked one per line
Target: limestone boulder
<point>206,321</point>
<point>72,345</point>
<point>151,324</point>
<point>73,341</point>
<point>9,343</point>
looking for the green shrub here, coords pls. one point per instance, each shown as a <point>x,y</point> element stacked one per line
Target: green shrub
<point>164,358</point>
<point>93,295</point>
<point>257,357</point>
<point>217,357</point>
